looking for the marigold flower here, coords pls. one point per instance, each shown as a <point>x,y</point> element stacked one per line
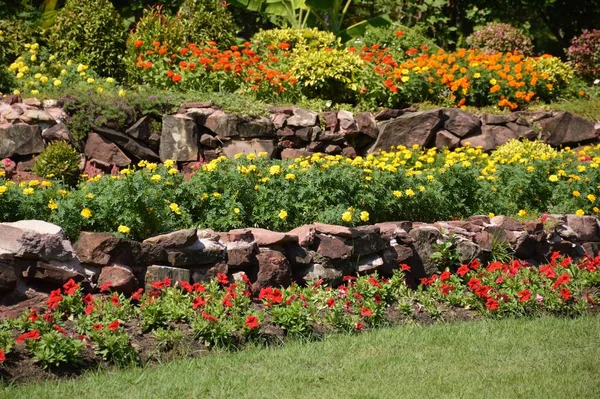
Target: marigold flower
<point>123,229</point>
<point>283,214</point>
<point>576,193</point>
<point>86,213</point>
<point>580,212</point>
<point>138,43</point>
<point>364,216</point>
<point>347,216</point>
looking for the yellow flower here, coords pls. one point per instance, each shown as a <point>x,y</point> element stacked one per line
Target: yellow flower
<point>347,216</point>
<point>34,183</point>
<point>476,75</point>
<point>236,210</point>
<point>274,170</point>
<point>576,193</point>
<point>250,157</point>
<point>156,178</point>
<point>20,75</point>
<point>405,79</point>
<point>151,166</point>
<point>110,80</point>
<point>169,163</point>
<point>46,183</point>
<point>89,196</point>
<point>125,172</point>
<point>364,216</point>
<point>493,82</point>
<point>579,212</point>
<point>173,171</point>
<point>57,82</point>
<point>35,92</point>
<point>262,154</point>
<point>123,229</point>
<point>16,92</point>
<point>100,90</point>
<point>122,93</point>
<point>409,192</point>
<point>28,191</point>
<point>491,215</point>
<point>290,176</point>
<point>283,214</point>
<point>397,194</point>
<point>175,208</point>
<point>553,178</point>
<point>522,213</point>
<point>63,192</point>
<point>591,197</point>
<point>91,80</point>
<point>52,205</point>
<point>217,195</point>
<point>595,209</point>
<point>63,72</point>
<point>86,213</point>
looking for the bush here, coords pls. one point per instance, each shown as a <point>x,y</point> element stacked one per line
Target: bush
<point>16,30</point>
<point>90,32</point>
<point>206,20</point>
<point>305,38</point>
<point>500,38</point>
<point>401,40</point>
<point>59,160</point>
<point>558,73</point>
<point>584,54</point>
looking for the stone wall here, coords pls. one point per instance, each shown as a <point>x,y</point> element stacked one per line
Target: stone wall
<point>35,256</point>
<point>201,131</point>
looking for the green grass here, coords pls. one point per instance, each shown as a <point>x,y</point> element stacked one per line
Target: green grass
<point>526,358</point>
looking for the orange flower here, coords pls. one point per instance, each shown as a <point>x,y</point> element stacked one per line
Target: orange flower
<point>184,51</point>
<point>176,78</point>
<point>156,44</point>
<point>162,51</point>
<point>494,89</point>
<point>138,43</point>
<point>284,46</point>
<point>399,33</point>
<point>147,65</point>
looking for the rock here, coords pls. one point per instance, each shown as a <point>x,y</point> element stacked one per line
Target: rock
<point>306,234</point>
<point>32,102</point>
<point>99,148</point>
<point>200,115</point>
<point>284,109</point>
<point>267,238</point>
<point>566,128</point>
<point>391,230</point>
<point>198,104</point>
<point>586,227</point>
<point>592,249</point>
<point>58,132</point>
<point>507,223</point>
<point>367,241</point>
<point>58,114</point>
<point>409,129</point>
<point>273,270</point>
<point>140,130</point>
<point>260,127</point>
<point>387,114</point>
<point>491,119</point>
<point>522,131</point>
<point>461,123</point>
<point>308,133</point>
<point>491,137</point>
<point>102,249</point>
<point>12,99</point>
<point>332,149</point>
<point>335,230</point>
<point>347,122</point>
<point>156,273</point>
<point>231,148</point>
<point>121,279</point>
<point>565,232</point>
<point>444,138</point>
<point>8,278</point>
<point>222,124</point>
<point>349,152</point>
<point>330,119</point>
<point>241,254</point>
<point>279,120</point>
<point>20,139</point>
<point>297,256</point>
<point>179,139</point>
<point>424,238</point>
<point>176,239</point>
<point>52,273</point>
<point>35,239</point>
<point>467,250</point>
<point>209,141</point>
<point>129,144</point>
<point>36,116</point>
<point>291,153</point>
<point>202,252</point>
<point>331,247</point>
<point>208,273</point>
<point>303,118</point>
<point>316,271</point>
<point>525,246</point>
<point>370,264</point>
<point>367,124</point>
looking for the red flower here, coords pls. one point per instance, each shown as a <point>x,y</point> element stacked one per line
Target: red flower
<point>198,302</point>
<point>357,296</point>
<point>97,326</point>
<point>566,262</point>
<point>462,270</point>
<point>138,43</point>
<point>491,304</point>
<point>89,309</point>
<point>88,299</point>
<point>185,286</point>
<point>284,46</point>
<point>197,287</point>
<point>156,44</point>
<point>473,283</point>
<point>2,356</point>
<point>209,317</point>
<point>54,299</point>
<point>366,312</point>
<point>48,317</point>
<point>31,335</point>
<point>105,287</point>
<point>170,73</point>
<point>348,278</point>
<point>137,295</point>
<point>60,329</point>
<point>114,325</point>
<point>251,322</point>
<point>359,326</point>
<point>399,33</point>
<point>147,65</point>
<point>499,280</point>
<point>32,316</point>
<point>330,302</point>
<point>114,299</point>
<point>475,264</point>
<point>222,279</point>
<point>562,279</point>
<point>524,295</point>
<point>565,294</point>
<point>445,276</point>
<point>227,301</point>
<point>548,271</point>
<point>404,267</point>
<point>184,51</point>
<point>374,282</point>
<point>70,287</point>
<point>246,279</point>
<point>446,289</point>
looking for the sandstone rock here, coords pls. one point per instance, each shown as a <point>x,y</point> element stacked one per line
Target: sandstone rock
<point>202,252</point>
<point>8,278</point>
<point>241,254</point>
<point>102,249</point>
<point>461,123</point>
<point>279,120</point>
<point>370,264</point>
<point>467,250</point>
<point>306,234</point>
<point>140,130</point>
<point>330,119</point>
<point>491,137</point>
<point>267,238</point>
<point>333,149</point>
<point>32,102</point>
<point>35,239</point>
<point>586,227</point>
<point>591,249</point>
<point>52,273</point>
<point>273,270</point>
<point>491,119</point>
<point>99,148</point>
<point>409,129</point>
<point>129,144</point>
<point>367,124</point>
<point>347,122</point>
<point>303,118</point>
<point>522,131</point>
<point>308,133</point>
<point>36,116</point>
<point>335,230</point>
<point>349,152</point>
<point>387,114</point>
<point>208,273</point>
<point>179,139</point>
<point>198,104</point>
<point>424,238</point>
<point>20,139</point>
<point>367,241</point>
<point>158,273</point>
<point>444,138</point>
<point>209,141</point>
<point>507,223</point>
<point>260,127</point>
<point>12,99</point>
<point>121,279</point>
<point>58,132</point>
<point>284,109</point>
<point>331,277</point>
<point>291,153</point>
<point>566,128</point>
<point>231,148</point>
<point>331,247</point>
<point>200,115</point>
<point>222,124</point>
<point>176,239</point>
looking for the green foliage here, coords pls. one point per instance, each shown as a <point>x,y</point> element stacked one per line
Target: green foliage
<point>167,338</point>
<point>54,349</point>
<point>584,55</point>
<point>397,38</point>
<point>308,38</point>
<point>115,347</point>
<point>16,29</point>
<point>90,32</point>
<point>560,74</point>
<point>59,160</point>
<point>206,20</point>
<point>500,38</point>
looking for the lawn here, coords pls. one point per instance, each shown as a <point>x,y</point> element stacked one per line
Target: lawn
<point>525,358</point>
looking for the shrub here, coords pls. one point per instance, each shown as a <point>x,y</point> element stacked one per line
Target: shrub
<point>59,160</point>
<point>306,38</point>
<point>401,40</point>
<point>559,74</point>
<point>15,31</point>
<point>500,38</point>
<point>206,20</point>
<point>584,54</point>
<point>90,32</point>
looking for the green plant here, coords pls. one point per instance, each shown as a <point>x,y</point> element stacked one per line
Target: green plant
<point>167,338</point>
<point>55,349</point>
<point>59,160</point>
<point>397,38</point>
<point>501,249</point>
<point>308,38</point>
<point>115,347</point>
<point>500,38</point>
<point>206,20</point>
<point>90,32</point>
<point>584,54</point>
<point>445,255</point>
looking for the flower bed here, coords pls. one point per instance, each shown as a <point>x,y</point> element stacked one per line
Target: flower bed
<point>519,179</point>
<point>80,329</point>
